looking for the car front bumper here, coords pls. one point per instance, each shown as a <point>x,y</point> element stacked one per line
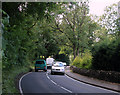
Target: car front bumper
<point>58,71</point>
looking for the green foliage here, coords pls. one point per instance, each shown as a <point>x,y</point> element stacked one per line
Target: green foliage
<point>105,49</point>
<point>38,29</point>
<point>8,78</point>
<point>65,50</point>
<point>83,62</point>
<point>109,20</point>
<point>63,58</point>
<point>24,38</point>
<point>106,57</point>
<point>73,25</point>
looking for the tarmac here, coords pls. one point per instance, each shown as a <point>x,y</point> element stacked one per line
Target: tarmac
<point>93,81</point>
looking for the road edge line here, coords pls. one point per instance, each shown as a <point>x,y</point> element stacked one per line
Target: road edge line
<point>112,90</point>
<point>20,88</point>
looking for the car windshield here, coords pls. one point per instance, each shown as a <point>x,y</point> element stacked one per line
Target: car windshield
<point>58,65</point>
<point>39,62</point>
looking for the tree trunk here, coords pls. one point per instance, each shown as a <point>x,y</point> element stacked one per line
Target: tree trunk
<point>74,52</point>
<point>78,51</point>
<point>81,51</point>
<point>81,54</point>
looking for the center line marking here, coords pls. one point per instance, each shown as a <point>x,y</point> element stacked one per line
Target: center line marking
<point>57,84</point>
<point>66,89</point>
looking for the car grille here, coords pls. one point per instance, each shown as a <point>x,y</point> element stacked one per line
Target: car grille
<point>58,69</point>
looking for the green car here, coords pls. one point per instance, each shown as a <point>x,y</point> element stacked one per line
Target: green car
<point>40,65</point>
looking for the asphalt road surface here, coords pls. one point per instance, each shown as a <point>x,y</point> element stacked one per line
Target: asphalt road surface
<point>44,82</point>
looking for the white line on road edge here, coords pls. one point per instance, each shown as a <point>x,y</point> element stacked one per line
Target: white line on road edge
<point>21,92</point>
<point>53,82</point>
<point>90,85</point>
<point>66,89</point>
<point>57,84</point>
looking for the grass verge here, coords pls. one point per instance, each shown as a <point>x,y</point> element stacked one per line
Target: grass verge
<point>9,76</point>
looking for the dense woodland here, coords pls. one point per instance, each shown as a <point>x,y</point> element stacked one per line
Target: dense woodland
<point>65,31</point>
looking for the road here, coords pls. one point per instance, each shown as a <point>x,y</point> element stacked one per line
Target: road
<point>44,82</point>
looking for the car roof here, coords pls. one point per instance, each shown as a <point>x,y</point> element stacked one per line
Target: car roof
<point>40,60</point>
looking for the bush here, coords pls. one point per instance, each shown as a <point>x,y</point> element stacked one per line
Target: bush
<point>8,78</point>
<point>107,57</point>
<point>83,62</point>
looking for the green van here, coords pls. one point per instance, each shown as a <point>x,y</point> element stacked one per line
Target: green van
<point>40,65</point>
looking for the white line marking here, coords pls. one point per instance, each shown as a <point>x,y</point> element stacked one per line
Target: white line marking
<point>48,77</point>
<point>53,82</point>
<point>66,89</point>
<point>20,82</point>
<point>57,84</point>
<point>90,85</point>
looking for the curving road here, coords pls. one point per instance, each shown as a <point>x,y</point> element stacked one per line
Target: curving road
<point>44,82</point>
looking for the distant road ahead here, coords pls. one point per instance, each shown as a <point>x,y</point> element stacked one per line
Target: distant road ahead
<point>44,82</point>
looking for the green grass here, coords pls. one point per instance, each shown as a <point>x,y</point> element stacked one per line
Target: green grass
<point>9,79</point>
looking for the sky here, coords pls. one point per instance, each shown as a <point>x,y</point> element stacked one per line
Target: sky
<point>97,6</point>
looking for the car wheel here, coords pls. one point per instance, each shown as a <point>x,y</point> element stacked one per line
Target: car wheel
<point>52,73</point>
<point>45,70</point>
<point>36,70</point>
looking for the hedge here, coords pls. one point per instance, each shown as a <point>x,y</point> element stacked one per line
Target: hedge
<point>110,76</point>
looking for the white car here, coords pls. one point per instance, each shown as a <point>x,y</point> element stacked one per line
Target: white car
<point>64,64</point>
<point>58,67</point>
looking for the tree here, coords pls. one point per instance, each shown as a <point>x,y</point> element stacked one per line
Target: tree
<point>74,26</point>
<point>106,46</point>
<point>45,41</point>
<point>109,20</point>
<point>106,57</point>
<point>18,34</point>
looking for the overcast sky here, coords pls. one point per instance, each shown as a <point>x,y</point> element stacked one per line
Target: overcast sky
<point>97,6</point>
